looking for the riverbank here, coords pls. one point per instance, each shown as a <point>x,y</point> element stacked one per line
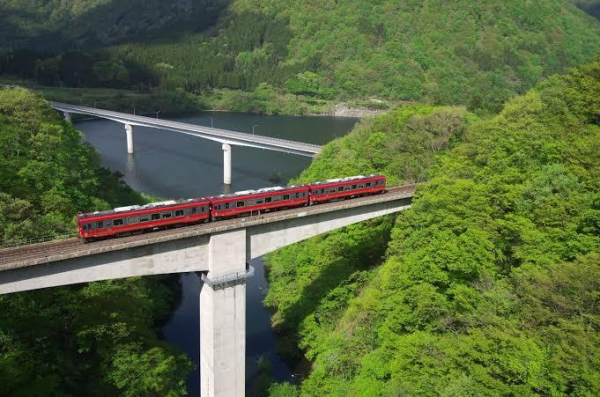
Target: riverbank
<point>264,101</point>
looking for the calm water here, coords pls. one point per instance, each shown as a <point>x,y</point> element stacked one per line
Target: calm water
<point>171,165</point>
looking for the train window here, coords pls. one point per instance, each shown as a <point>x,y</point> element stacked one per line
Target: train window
<point>259,201</point>
<point>226,205</point>
<point>118,222</point>
<point>297,195</point>
<point>202,209</point>
<point>166,215</point>
<point>322,191</point>
<point>368,184</point>
<point>144,218</point>
<point>179,213</point>
<point>340,189</point>
<point>100,225</point>
<point>240,204</point>
<point>193,210</point>
<point>155,217</point>
<point>353,186</point>
<point>360,186</point>
<point>286,196</point>
<point>268,199</point>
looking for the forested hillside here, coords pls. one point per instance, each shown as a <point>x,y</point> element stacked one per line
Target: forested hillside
<point>488,285</point>
<point>64,24</point>
<point>472,53</point>
<point>97,339</point>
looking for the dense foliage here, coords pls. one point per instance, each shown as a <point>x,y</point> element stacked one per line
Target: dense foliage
<point>489,284</point>
<point>97,339</point>
<point>472,53</point>
<point>332,268</point>
<point>63,24</point>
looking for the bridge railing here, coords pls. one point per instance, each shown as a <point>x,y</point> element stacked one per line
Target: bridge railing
<point>186,127</point>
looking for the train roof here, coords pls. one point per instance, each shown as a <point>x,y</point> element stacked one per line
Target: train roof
<point>157,205</point>
<point>257,191</point>
<point>347,179</point>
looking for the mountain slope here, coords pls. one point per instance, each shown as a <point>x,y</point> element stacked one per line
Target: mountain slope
<point>460,52</point>
<point>54,25</point>
<point>488,285</point>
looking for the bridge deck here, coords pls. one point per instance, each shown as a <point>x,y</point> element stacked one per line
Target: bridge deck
<point>36,254</point>
<point>221,135</point>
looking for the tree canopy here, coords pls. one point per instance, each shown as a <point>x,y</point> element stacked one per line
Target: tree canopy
<point>488,285</point>
<point>96,339</point>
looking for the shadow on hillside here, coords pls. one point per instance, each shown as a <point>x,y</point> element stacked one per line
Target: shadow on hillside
<point>334,274</point>
<point>114,22</point>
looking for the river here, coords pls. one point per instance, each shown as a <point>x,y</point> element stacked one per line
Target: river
<point>172,165</point>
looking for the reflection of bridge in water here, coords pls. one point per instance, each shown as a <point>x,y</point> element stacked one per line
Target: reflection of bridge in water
<point>226,137</point>
<point>217,251</point>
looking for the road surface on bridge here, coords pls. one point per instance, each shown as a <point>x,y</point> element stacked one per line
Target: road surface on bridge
<point>216,134</point>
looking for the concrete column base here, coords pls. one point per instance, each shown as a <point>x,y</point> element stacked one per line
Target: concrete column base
<point>223,317</point>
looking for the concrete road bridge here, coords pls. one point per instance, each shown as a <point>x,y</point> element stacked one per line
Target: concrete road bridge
<point>226,137</point>
<point>218,252</point>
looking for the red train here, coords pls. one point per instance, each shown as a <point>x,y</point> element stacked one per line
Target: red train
<point>138,219</point>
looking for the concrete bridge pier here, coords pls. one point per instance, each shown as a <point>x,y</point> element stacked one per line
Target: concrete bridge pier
<point>129,132</point>
<point>226,164</point>
<point>68,117</point>
<point>223,317</point>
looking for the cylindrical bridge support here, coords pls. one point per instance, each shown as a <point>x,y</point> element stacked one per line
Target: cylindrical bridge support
<point>129,132</point>
<point>68,117</point>
<point>226,164</point>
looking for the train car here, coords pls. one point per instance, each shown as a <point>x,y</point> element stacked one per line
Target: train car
<point>340,189</point>
<point>261,200</point>
<point>140,218</point>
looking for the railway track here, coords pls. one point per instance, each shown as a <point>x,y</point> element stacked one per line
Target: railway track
<point>39,251</point>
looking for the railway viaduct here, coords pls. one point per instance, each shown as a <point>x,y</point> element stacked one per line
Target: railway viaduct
<point>217,251</point>
<point>227,138</point>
